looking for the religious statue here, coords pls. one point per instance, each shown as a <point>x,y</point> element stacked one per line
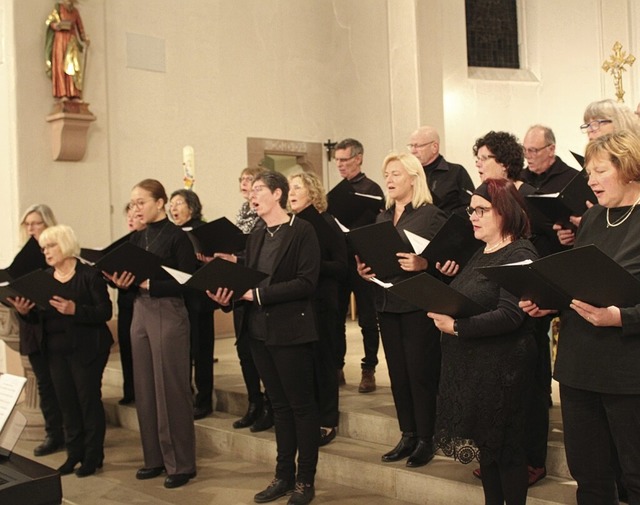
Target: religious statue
<point>615,64</point>
<point>66,51</point>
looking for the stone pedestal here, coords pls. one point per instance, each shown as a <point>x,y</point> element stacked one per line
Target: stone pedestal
<point>30,407</point>
<point>70,122</point>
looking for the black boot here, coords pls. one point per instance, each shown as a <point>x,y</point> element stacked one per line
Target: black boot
<point>265,420</point>
<point>422,454</point>
<point>405,447</point>
<point>250,417</point>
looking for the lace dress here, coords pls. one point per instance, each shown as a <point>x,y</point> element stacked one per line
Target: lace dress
<point>487,369</point>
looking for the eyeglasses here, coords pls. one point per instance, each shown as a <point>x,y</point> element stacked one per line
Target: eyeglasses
<point>248,178</point>
<point>48,246</point>
<point>178,203</point>
<point>478,210</point>
<point>344,160</point>
<point>533,151</point>
<point>419,146</point>
<point>257,189</point>
<point>594,125</point>
<point>484,159</point>
<point>138,204</point>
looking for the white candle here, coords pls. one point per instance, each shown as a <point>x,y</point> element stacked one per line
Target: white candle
<point>189,167</point>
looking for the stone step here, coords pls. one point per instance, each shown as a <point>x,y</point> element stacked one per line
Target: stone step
<point>368,429</point>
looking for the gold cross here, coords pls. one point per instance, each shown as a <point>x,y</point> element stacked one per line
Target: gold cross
<point>616,64</point>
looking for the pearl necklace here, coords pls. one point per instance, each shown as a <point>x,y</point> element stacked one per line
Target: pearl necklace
<point>64,277</point>
<point>494,247</point>
<point>624,217</point>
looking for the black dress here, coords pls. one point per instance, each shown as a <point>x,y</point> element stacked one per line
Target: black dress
<point>487,369</point>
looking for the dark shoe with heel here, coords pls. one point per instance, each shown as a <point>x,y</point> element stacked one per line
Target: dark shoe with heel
<point>250,416</point>
<point>201,412</point>
<point>49,446</point>
<point>178,479</point>
<point>149,473</point>
<point>68,466</point>
<point>422,454</point>
<point>277,489</point>
<point>404,449</point>
<point>88,468</point>
<point>327,435</point>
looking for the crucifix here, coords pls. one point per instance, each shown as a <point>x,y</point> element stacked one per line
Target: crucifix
<point>616,64</point>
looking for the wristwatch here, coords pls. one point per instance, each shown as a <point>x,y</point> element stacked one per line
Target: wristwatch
<point>455,327</point>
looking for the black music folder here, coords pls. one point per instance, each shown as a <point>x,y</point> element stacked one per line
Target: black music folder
<point>38,286</point>
<point>220,235</point>
<point>221,273</point>
<point>583,273</point>
<point>128,257</point>
<point>453,241</point>
<point>377,245</point>
<point>433,295</point>
<point>579,158</point>
<point>29,258</point>
<point>570,201</point>
<point>91,255</point>
<point>351,208</point>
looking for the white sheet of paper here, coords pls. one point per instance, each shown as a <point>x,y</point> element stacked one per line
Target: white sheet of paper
<point>417,242</point>
<point>178,275</point>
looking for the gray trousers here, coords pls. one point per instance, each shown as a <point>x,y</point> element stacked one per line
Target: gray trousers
<point>160,349</point>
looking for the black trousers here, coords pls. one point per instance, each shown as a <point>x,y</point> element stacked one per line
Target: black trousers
<point>325,370</point>
<point>125,316</point>
<point>412,348</point>
<point>202,344</point>
<point>49,404</point>
<point>367,320</point>
<point>538,400</point>
<point>249,371</point>
<point>287,372</point>
<point>592,422</point>
<point>78,386</point>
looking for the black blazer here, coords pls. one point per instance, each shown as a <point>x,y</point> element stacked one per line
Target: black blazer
<point>87,328</point>
<point>287,299</point>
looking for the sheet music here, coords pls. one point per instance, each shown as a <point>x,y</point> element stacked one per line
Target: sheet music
<point>10,389</point>
<point>417,242</point>
<point>178,275</point>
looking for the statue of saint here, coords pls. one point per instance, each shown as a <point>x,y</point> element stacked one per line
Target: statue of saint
<point>65,51</point>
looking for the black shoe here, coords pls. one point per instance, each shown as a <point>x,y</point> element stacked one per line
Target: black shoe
<point>275,490</point>
<point>201,412</point>
<point>265,421</point>
<point>126,400</point>
<point>405,447</point>
<point>326,436</point>
<point>178,479</point>
<point>250,417</point>
<point>49,446</point>
<point>149,473</point>
<point>422,454</point>
<point>87,469</point>
<point>68,466</point>
<point>302,494</point>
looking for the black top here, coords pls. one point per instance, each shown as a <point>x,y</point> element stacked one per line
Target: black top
<point>171,244</point>
<point>485,370</point>
<point>424,221</point>
<point>450,185</point>
<point>552,180</point>
<point>604,359</point>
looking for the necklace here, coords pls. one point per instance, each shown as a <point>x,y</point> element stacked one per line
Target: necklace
<point>272,233</point>
<point>64,277</point>
<point>494,247</point>
<point>624,216</point>
<point>148,244</point>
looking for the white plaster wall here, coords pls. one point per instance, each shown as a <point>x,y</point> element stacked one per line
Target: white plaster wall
<point>295,69</point>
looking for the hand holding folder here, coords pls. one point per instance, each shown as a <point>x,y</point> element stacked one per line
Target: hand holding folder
<point>128,257</point>
<point>38,286</point>
<point>583,273</point>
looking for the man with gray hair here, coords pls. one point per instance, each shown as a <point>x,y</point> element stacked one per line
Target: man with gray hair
<point>450,184</point>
